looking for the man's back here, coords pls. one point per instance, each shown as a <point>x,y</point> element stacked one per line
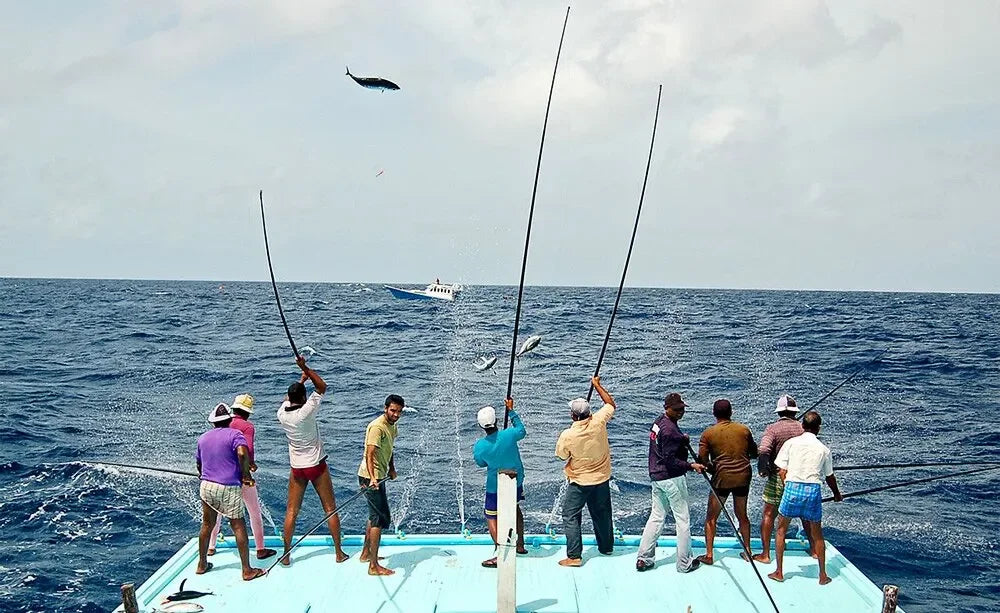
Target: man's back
<point>728,445</point>
<point>217,455</point>
<point>584,446</point>
<point>499,451</point>
<point>305,449</point>
<point>806,459</point>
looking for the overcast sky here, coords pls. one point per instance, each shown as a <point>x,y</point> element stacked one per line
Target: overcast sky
<point>802,144</point>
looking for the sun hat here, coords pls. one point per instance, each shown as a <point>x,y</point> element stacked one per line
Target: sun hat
<point>221,412</point>
<point>243,402</point>
<point>674,401</point>
<point>786,403</point>
<point>486,417</point>
<point>580,408</point>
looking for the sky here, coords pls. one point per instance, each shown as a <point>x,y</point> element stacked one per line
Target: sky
<point>802,144</point>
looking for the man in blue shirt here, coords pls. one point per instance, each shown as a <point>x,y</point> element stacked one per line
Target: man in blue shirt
<point>497,451</point>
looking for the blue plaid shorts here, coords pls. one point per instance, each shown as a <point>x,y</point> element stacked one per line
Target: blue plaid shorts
<point>803,500</point>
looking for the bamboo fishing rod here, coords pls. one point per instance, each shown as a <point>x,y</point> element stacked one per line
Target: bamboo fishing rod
<point>746,546</point>
<point>914,482</point>
<point>531,213</point>
<point>844,382</point>
<point>631,244</point>
<point>277,299</point>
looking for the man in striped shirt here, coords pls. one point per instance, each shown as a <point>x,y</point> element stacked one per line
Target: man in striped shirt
<point>775,436</point>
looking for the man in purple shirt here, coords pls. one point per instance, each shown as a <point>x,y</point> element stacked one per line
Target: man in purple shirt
<point>668,465</point>
<point>224,468</point>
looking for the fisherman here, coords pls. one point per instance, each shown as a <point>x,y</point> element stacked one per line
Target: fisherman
<point>242,407</point>
<point>584,446</point>
<point>497,451</point>
<point>775,436</point>
<point>668,465</point>
<point>803,462</point>
<point>376,466</point>
<point>223,467</point>
<point>726,448</point>
<point>297,415</point>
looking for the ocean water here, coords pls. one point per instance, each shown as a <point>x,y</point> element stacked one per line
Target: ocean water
<point>127,371</point>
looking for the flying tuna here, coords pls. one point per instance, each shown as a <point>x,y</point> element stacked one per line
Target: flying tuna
<point>376,83</point>
<point>486,364</point>
<point>528,345</point>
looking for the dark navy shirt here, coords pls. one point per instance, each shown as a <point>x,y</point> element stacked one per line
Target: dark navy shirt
<point>668,451</point>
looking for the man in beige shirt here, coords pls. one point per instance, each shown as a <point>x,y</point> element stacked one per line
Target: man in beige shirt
<point>584,446</point>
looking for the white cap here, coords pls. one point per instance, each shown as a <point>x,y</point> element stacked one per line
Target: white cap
<point>786,403</point>
<point>580,407</point>
<point>487,417</point>
<point>221,412</point>
<point>243,402</point>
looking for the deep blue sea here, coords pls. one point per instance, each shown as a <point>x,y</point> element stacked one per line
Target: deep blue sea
<point>127,371</point>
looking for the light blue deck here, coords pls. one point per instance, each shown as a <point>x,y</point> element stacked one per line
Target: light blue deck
<point>442,574</point>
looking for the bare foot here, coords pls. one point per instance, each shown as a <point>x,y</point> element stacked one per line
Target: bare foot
<point>574,562</point>
<point>263,554</point>
<point>341,556</point>
<point>743,555</point>
<point>777,576</point>
<point>286,560</point>
<point>375,569</point>
<point>705,559</point>
<point>211,552</point>
<point>824,579</point>
<point>253,573</point>
<point>201,570</point>
<point>763,557</point>
<point>366,558</point>
<point>522,551</point>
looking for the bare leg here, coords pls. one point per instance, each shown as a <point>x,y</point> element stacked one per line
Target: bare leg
<point>779,548</point>
<point>239,527</point>
<point>215,535</point>
<point>520,531</point>
<point>807,528</point>
<point>296,489</point>
<point>208,518</point>
<point>711,521</point>
<point>766,527</point>
<point>374,568</point>
<point>364,557</point>
<point>740,506</point>
<point>819,548</point>
<point>324,487</point>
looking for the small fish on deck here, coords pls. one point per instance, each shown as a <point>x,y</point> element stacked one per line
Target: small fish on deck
<point>183,594</point>
<point>376,83</point>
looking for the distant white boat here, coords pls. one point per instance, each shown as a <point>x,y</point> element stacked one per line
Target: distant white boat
<point>434,291</point>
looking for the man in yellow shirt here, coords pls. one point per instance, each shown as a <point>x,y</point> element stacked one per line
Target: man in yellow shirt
<point>376,466</point>
<point>584,446</point>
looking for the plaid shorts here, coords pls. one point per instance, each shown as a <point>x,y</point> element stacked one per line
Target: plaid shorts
<point>773,489</point>
<point>227,500</point>
<point>802,500</point>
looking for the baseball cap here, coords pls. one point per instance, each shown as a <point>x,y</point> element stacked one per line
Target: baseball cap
<point>244,402</point>
<point>486,417</point>
<point>580,407</point>
<point>673,401</point>
<point>786,403</point>
<point>221,412</point>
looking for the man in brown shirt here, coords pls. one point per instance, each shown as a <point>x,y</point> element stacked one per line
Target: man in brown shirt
<point>728,447</point>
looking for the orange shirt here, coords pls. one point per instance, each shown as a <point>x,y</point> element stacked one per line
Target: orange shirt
<point>584,446</point>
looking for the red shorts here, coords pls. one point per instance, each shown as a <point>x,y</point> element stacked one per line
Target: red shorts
<point>310,474</point>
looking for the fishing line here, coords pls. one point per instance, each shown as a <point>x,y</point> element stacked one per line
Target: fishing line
<point>916,465</point>
<point>628,256</point>
<point>274,285</point>
<point>914,482</point>
<point>150,468</point>
<point>844,382</point>
<point>531,213</point>
<point>736,529</point>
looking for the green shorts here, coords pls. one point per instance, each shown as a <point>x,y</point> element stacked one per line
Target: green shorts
<point>773,490</point>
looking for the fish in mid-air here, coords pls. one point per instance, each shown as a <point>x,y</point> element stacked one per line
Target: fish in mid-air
<point>528,345</point>
<point>486,364</point>
<point>377,83</point>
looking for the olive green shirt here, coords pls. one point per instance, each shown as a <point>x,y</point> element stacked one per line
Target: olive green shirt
<point>382,434</point>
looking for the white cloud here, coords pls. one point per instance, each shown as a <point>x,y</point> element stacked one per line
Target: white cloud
<point>716,127</point>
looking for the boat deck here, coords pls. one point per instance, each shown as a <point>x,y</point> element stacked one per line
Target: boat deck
<point>442,574</point>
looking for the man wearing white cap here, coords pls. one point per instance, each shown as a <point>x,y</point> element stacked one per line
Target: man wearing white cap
<point>497,451</point>
<point>775,436</point>
<point>242,409</point>
<point>585,449</point>
<point>223,466</point>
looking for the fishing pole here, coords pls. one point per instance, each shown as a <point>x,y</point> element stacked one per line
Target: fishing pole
<point>628,256</point>
<point>151,468</point>
<point>916,465</point>
<point>531,213</point>
<point>914,482</point>
<point>736,529</point>
<point>274,285</point>
<point>844,382</point>
<point>339,508</point>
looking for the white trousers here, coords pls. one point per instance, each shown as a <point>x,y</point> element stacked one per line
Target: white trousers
<point>672,493</point>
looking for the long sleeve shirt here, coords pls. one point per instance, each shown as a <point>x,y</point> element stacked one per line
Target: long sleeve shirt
<point>668,450</point>
<point>498,451</point>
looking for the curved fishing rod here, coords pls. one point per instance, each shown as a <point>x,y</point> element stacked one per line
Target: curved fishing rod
<point>339,508</point>
<point>736,529</point>
<point>844,382</point>
<point>914,482</point>
<point>274,285</point>
<point>531,213</point>
<point>916,465</point>
<point>150,468</point>
<point>628,256</point>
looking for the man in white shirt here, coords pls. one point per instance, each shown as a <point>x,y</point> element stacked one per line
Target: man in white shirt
<point>297,416</point>
<point>803,463</point>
